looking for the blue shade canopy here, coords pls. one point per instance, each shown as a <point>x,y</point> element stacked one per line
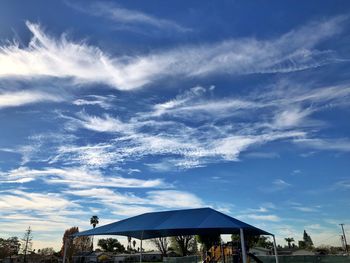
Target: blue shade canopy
<point>175,223</point>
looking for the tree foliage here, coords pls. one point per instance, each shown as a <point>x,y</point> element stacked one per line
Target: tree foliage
<point>111,245</point>
<point>9,247</point>
<point>289,240</point>
<point>161,243</point>
<point>307,241</point>
<point>184,245</point>
<point>253,241</point>
<point>27,243</point>
<point>82,244</point>
<point>78,245</point>
<point>94,220</point>
<point>46,251</point>
<point>208,241</point>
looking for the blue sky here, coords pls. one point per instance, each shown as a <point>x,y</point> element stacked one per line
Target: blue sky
<point>117,108</point>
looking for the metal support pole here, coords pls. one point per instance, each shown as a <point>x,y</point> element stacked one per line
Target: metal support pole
<point>141,247</point>
<point>346,244</point>
<point>222,251</point>
<point>275,248</point>
<point>244,253</point>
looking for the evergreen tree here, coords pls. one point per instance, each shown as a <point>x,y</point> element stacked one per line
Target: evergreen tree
<point>27,243</point>
<point>307,240</point>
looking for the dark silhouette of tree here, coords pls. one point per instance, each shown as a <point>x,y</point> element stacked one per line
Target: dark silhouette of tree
<point>184,245</point>
<point>307,240</point>
<point>161,243</point>
<point>111,245</point>
<point>82,244</point>
<point>264,242</point>
<point>67,240</point>
<point>252,241</point>
<point>94,221</point>
<point>208,241</point>
<point>46,251</point>
<point>9,247</point>
<point>134,244</point>
<point>27,243</point>
<point>129,243</point>
<point>79,244</point>
<point>289,240</point>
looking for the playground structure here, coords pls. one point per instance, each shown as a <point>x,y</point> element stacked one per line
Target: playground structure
<point>200,221</point>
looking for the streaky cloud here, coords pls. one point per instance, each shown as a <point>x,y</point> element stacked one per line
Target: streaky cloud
<point>84,64</point>
<point>78,178</point>
<point>20,98</point>
<point>123,16</point>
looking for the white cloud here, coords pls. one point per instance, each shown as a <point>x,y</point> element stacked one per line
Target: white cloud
<point>104,102</point>
<point>339,144</point>
<point>272,218</point>
<point>174,199</point>
<point>225,129</point>
<point>107,196</point>
<point>343,184</point>
<point>17,200</point>
<point>79,178</point>
<point>305,209</point>
<point>19,98</point>
<point>190,147</point>
<point>130,17</point>
<point>291,117</point>
<point>104,124</point>
<point>46,56</point>
<point>128,204</point>
<point>276,185</point>
<point>281,184</point>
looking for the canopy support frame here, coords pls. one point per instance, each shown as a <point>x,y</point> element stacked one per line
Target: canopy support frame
<point>275,248</point>
<point>244,252</point>
<point>141,247</point>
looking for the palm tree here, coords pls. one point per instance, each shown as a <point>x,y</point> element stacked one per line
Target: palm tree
<point>93,221</point>
<point>289,240</point>
<point>129,243</point>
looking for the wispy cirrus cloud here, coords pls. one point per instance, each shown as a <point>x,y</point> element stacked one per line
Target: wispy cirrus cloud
<point>20,98</point>
<point>194,128</point>
<point>83,64</point>
<point>275,186</point>
<point>331,144</point>
<point>78,178</point>
<point>123,16</point>
<point>272,218</point>
<point>189,146</point>
<point>131,204</point>
<point>105,102</point>
<point>20,200</point>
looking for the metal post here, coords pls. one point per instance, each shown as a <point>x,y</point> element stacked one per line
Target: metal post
<point>244,253</point>
<point>65,250</point>
<point>141,247</point>
<point>275,248</point>
<point>222,251</point>
<point>346,244</point>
